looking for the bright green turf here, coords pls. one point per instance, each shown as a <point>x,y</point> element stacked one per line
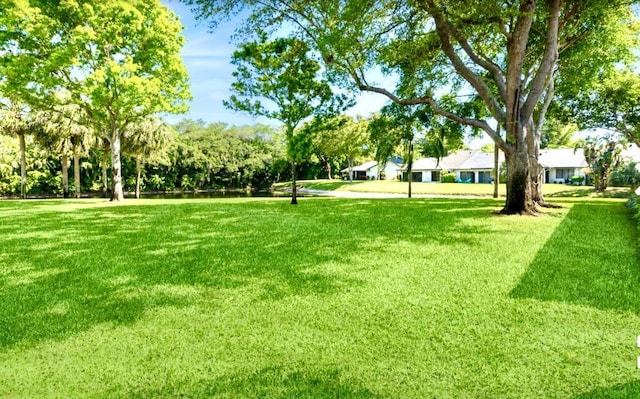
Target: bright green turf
<point>480,190</point>
<point>423,298</point>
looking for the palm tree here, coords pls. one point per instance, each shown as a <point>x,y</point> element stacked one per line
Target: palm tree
<point>68,124</point>
<point>18,119</point>
<point>144,141</point>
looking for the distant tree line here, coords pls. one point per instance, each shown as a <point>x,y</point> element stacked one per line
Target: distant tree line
<point>189,155</point>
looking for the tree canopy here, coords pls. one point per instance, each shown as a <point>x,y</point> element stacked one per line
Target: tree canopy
<point>500,60</point>
<point>281,72</point>
<point>118,60</point>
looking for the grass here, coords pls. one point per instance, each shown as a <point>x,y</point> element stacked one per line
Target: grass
<point>334,298</point>
<point>454,189</point>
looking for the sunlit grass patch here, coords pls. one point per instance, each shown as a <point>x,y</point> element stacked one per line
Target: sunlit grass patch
<point>457,189</point>
<point>330,298</point>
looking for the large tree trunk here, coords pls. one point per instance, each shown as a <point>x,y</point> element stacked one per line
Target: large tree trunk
<point>138,172</point>
<point>116,167</point>
<point>105,161</point>
<point>350,170</point>
<point>519,200</point>
<point>23,166</point>
<point>65,175</point>
<point>294,189</point>
<point>76,169</point>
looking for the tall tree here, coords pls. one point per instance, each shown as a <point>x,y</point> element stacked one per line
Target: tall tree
<point>283,73</point>
<point>396,129</point>
<point>602,155</point>
<point>144,140</point>
<point>507,53</point>
<point>119,60</point>
<point>66,129</point>
<point>19,120</point>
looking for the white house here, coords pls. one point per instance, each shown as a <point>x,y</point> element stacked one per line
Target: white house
<point>470,166</point>
<point>369,170</point>
<point>560,164</point>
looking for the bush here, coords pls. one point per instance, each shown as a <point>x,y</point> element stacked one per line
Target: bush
<point>448,178</point>
<point>625,175</point>
<point>577,180</point>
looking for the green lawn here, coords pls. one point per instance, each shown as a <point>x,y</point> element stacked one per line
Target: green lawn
<point>481,190</point>
<point>333,298</point>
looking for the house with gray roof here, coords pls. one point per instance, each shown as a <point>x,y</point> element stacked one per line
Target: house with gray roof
<point>560,164</point>
<point>470,166</point>
<point>369,170</point>
<point>475,166</point>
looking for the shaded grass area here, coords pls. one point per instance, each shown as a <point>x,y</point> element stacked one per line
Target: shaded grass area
<point>588,261</point>
<point>332,298</point>
<point>462,189</point>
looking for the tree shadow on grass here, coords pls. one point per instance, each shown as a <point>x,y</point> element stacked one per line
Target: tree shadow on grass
<point>591,259</point>
<point>64,272</point>
<point>629,390</point>
<point>276,383</point>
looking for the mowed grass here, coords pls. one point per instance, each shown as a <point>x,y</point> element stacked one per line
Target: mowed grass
<point>453,189</point>
<point>333,298</point>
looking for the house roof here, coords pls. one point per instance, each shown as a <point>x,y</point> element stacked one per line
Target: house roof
<point>631,153</point>
<point>362,168</point>
<point>562,158</point>
<point>479,160</point>
<point>370,164</point>
<point>453,161</point>
<point>397,160</point>
<point>466,160</point>
<point>426,164</point>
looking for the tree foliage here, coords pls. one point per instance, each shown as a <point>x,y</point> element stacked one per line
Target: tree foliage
<point>509,55</point>
<point>118,60</point>
<point>602,154</point>
<point>282,72</point>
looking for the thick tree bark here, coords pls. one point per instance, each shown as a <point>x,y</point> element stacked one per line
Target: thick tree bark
<point>138,173</point>
<point>65,175</point>
<point>294,189</point>
<point>116,168</point>
<point>23,166</point>
<point>519,199</point>
<point>76,169</point>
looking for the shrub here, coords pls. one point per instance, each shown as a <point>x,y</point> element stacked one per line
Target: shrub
<point>448,178</point>
<point>625,175</point>
<point>577,180</point>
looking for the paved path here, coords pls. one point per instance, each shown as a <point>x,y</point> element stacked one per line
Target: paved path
<point>353,194</point>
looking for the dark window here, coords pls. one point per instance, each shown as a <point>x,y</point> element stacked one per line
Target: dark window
<point>564,173</point>
<point>484,177</point>
<point>435,175</point>
<point>467,177</point>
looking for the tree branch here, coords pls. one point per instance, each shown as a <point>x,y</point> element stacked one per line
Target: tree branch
<point>433,104</point>
<point>483,62</point>
<point>549,59</point>
<point>444,31</point>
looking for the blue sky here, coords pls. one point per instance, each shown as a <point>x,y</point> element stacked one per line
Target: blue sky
<point>207,57</point>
